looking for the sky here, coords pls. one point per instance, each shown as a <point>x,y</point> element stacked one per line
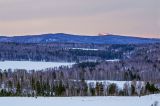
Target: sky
<point>87,17</point>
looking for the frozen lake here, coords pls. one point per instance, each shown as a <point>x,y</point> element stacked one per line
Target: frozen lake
<point>81,101</point>
<point>29,65</point>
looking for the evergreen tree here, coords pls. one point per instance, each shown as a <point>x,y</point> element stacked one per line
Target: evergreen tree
<point>132,90</point>
<point>18,90</point>
<point>60,89</point>
<point>33,84</point>
<point>112,89</point>
<point>38,88</point>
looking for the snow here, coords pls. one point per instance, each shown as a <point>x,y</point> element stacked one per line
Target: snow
<point>114,60</point>
<point>85,49</point>
<point>81,101</point>
<point>30,65</point>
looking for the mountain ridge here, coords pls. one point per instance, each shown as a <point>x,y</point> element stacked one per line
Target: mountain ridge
<point>73,38</point>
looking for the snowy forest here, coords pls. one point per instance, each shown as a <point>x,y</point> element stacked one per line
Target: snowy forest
<point>138,66</point>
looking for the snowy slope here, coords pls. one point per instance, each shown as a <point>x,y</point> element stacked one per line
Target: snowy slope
<point>80,101</point>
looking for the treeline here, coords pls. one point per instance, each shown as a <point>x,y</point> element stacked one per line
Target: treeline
<point>66,83</point>
<point>83,89</point>
<point>40,87</point>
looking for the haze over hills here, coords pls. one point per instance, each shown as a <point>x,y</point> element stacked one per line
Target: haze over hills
<point>70,38</point>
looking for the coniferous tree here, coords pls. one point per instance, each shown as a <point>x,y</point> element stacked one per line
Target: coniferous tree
<point>18,89</point>
<point>38,88</point>
<point>112,89</point>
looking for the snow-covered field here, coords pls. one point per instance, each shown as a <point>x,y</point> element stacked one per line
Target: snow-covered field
<point>85,49</point>
<point>81,101</point>
<point>113,60</point>
<point>29,65</point>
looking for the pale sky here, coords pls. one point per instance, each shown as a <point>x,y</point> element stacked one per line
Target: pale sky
<point>88,17</point>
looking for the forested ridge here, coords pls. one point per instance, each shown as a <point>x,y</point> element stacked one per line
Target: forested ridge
<point>68,52</point>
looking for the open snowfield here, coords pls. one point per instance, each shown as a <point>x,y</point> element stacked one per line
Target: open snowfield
<point>80,101</point>
<point>30,65</point>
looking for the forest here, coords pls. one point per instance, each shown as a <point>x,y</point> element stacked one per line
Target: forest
<point>62,52</point>
<point>138,65</point>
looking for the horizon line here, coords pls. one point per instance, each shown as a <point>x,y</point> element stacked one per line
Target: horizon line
<point>98,34</point>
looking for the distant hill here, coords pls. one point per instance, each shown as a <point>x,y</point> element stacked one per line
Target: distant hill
<point>69,38</point>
